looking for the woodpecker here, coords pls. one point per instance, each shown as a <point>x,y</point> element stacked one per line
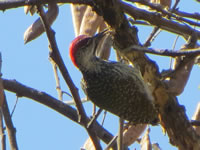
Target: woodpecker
<point>112,86</point>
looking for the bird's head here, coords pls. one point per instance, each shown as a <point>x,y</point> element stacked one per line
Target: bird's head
<point>83,48</point>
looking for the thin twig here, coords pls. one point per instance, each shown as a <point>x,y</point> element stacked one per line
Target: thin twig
<point>104,117</point>
<point>5,4</point>
<point>156,20</point>
<point>9,126</point>
<point>58,87</point>
<point>187,15</point>
<point>165,12</point>
<point>71,102</point>
<point>1,84</point>
<point>55,55</point>
<point>173,48</point>
<point>68,94</point>
<point>150,38</point>
<point>120,135</point>
<point>13,110</point>
<point>94,118</point>
<point>111,143</point>
<point>2,133</point>
<point>175,5</point>
<point>93,109</point>
<point>166,52</point>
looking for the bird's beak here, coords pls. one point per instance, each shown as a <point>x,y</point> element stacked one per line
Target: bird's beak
<point>98,37</point>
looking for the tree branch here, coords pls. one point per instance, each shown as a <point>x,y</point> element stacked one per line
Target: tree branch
<point>162,52</point>
<point>8,4</point>
<point>157,20</point>
<point>9,125</point>
<point>53,103</point>
<point>56,57</point>
<point>2,133</point>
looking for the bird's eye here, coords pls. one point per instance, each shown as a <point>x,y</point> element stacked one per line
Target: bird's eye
<point>87,43</point>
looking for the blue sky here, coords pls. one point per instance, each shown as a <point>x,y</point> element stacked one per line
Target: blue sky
<point>39,127</point>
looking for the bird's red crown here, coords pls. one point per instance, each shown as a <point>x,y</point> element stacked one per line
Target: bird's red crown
<point>77,43</point>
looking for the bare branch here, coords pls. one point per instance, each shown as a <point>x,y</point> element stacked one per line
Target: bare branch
<point>170,14</point>
<point>2,133</point>
<point>182,69</point>
<point>196,117</point>
<point>9,125</point>
<point>58,87</point>
<point>120,145</point>
<point>158,20</point>
<point>166,52</point>
<point>151,37</point>
<point>56,57</point>
<point>94,118</point>
<point>8,4</point>
<point>54,104</point>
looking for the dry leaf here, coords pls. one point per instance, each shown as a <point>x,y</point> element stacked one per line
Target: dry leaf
<point>30,8</point>
<point>36,29</point>
<point>77,15</point>
<point>90,22</point>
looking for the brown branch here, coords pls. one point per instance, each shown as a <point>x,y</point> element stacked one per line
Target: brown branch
<point>175,5</point>
<point>170,14</point>
<point>8,4</point>
<point>120,145</point>
<point>9,125</point>
<point>158,20</point>
<point>166,52</point>
<point>54,104</point>
<point>182,69</point>
<point>7,118</point>
<point>94,118</point>
<point>2,133</point>
<point>112,143</point>
<point>188,15</point>
<point>151,37</point>
<point>56,57</point>
<point>57,79</point>
<point>196,117</point>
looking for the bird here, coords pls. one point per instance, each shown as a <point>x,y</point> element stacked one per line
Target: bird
<point>113,86</point>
